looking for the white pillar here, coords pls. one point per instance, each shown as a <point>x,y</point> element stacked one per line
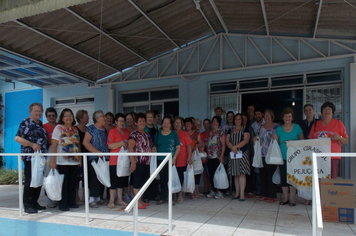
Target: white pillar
<point>352,117</point>
<point>111,105</point>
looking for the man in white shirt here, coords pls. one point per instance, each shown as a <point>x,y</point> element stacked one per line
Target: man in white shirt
<point>259,121</point>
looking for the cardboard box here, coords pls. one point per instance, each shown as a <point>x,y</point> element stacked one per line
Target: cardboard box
<point>338,200</point>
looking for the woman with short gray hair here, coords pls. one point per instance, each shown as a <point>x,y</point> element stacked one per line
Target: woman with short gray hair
<point>95,141</point>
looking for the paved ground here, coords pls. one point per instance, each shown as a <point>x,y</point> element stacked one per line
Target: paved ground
<point>199,217</point>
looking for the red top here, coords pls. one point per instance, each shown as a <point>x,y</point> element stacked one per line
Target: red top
<point>114,137</point>
<point>49,129</point>
<point>182,158</point>
<point>334,127</point>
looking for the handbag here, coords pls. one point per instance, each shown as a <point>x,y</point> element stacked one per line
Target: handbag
<point>189,181</point>
<point>176,186</point>
<point>257,158</point>
<point>102,171</point>
<point>274,154</point>
<point>197,164</point>
<point>276,178</point>
<point>53,185</point>
<point>123,164</point>
<point>220,178</point>
<point>38,163</point>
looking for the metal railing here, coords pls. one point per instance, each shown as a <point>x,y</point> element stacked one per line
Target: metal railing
<point>317,219</point>
<point>134,202</point>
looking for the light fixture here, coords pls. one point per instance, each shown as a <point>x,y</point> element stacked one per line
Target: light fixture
<point>293,103</point>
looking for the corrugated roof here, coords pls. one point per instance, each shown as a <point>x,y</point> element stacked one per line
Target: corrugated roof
<point>98,38</point>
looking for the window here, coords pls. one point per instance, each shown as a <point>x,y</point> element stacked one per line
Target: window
<point>318,95</point>
<point>228,102</point>
<point>163,100</point>
<point>324,77</point>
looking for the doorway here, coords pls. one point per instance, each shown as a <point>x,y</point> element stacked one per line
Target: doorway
<point>276,101</point>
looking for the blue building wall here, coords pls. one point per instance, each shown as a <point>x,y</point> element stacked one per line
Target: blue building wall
<point>16,109</point>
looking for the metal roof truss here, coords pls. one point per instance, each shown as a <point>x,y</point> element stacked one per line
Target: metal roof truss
<point>230,52</point>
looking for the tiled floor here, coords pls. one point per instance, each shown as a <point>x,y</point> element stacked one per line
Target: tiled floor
<point>199,217</point>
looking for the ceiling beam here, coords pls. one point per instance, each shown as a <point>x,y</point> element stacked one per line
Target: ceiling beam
<point>106,34</point>
<point>153,23</point>
<point>265,16</point>
<point>197,6</point>
<point>64,44</point>
<point>212,3</point>
<point>317,18</point>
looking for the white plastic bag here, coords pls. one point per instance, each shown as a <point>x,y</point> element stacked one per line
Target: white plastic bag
<point>257,158</point>
<point>102,171</point>
<point>220,178</point>
<point>307,195</point>
<point>276,178</point>
<point>123,164</point>
<point>197,164</point>
<point>274,154</point>
<point>48,161</point>
<point>37,166</point>
<point>153,166</point>
<point>53,185</point>
<point>189,181</point>
<point>203,155</point>
<point>176,186</point>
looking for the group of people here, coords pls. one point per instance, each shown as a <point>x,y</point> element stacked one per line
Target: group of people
<point>227,141</point>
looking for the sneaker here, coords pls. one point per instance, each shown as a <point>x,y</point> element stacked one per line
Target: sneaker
<point>211,194</point>
<point>126,198</point>
<point>219,195</point>
<point>93,204</point>
<point>100,202</point>
<point>50,203</point>
<point>131,196</point>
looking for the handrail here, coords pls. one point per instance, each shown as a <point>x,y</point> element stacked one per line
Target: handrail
<point>134,201</point>
<point>317,221</point>
<point>85,175</point>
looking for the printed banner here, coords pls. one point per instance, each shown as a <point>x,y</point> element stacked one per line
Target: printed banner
<point>300,163</point>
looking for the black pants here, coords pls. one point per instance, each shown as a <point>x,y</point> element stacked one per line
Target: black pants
<point>69,185</point>
<point>164,180</point>
<point>213,164</point>
<point>94,184</point>
<point>30,195</point>
<point>268,188</point>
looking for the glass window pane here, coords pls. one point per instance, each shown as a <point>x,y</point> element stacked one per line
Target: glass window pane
<point>164,94</point>
<point>135,97</point>
<point>253,84</point>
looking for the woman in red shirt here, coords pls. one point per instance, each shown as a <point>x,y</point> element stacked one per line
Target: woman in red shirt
<point>117,139</point>
<point>328,127</point>
<point>185,154</point>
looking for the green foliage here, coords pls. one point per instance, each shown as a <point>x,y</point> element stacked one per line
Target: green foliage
<point>9,176</point>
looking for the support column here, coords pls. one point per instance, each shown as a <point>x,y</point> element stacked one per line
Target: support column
<point>352,132</point>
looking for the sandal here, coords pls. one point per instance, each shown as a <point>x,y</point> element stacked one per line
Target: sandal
<point>291,204</point>
<point>111,205</point>
<point>160,202</point>
<point>122,203</point>
<point>271,200</point>
<point>180,199</point>
<point>307,202</point>
<point>284,203</point>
